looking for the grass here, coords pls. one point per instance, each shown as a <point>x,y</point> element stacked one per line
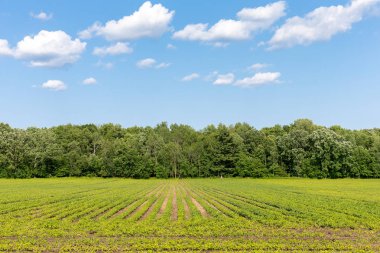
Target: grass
<point>121,215</point>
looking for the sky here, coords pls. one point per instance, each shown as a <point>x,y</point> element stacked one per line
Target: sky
<point>190,62</point>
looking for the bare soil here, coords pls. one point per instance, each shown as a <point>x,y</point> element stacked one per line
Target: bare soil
<point>163,207</point>
<point>149,211</point>
<point>187,210</point>
<point>199,207</point>
<point>174,206</point>
<point>136,210</point>
<point>123,209</point>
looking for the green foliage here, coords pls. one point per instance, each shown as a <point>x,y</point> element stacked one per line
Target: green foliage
<point>301,149</point>
<point>189,215</point>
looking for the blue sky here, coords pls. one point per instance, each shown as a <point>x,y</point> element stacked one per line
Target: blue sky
<point>196,63</point>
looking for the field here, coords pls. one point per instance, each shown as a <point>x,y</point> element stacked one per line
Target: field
<point>210,215</point>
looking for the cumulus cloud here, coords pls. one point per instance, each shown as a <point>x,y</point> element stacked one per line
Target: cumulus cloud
<point>163,65</point>
<point>146,63</point>
<point>258,66</point>
<point>54,85</point>
<point>151,63</point>
<point>320,24</point>
<point>225,79</point>
<point>190,77</point>
<point>46,49</point>
<point>248,21</point>
<point>258,79</point>
<point>90,81</point>
<point>219,44</point>
<point>42,16</point>
<point>4,48</point>
<point>148,21</point>
<point>116,49</point>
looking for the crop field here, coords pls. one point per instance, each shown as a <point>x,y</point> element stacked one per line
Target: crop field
<point>191,215</point>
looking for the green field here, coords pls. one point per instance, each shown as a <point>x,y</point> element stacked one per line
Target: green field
<point>211,215</point>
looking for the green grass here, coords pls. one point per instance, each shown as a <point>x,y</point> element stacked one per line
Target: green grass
<point>120,215</point>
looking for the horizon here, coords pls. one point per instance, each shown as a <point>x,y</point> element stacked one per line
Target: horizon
<point>196,129</point>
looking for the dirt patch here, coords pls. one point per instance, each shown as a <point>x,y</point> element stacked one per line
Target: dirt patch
<point>123,210</point>
<point>136,210</point>
<point>199,207</point>
<point>163,206</point>
<point>149,211</point>
<point>186,208</point>
<point>174,206</point>
<point>131,204</point>
<point>213,201</point>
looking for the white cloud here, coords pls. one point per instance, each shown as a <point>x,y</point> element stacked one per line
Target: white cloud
<point>258,66</point>
<point>146,63</point>
<point>42,16</point>
<point>118,48</point>
<point>46,49</point>
<point>90,81</point>
<point>151,63</point>
<point>219,44</point>
<point>190,77</point>
<point>258,79</point>
<point>149,21</point>
<point>248,21</point>
<point>320,24</point>
<point>54,85</point>
<point>89,32</point>
<point>211,76</point>
<point>225,79</point>
<point>4,48</point>
<point>163,65</point>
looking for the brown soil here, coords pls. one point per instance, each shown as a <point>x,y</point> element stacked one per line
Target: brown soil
<point>136,210</point>
<point>163,207</point>
<point>174,206</point>
<point>199,207</point>
<point>187,210</point>
<point>123,209</point>
<point>218,202</point>
<point>149,211</point>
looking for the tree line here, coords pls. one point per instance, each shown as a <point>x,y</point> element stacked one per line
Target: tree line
<point>301,149</point>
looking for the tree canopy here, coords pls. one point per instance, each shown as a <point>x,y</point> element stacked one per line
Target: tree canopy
<point>301,149</point>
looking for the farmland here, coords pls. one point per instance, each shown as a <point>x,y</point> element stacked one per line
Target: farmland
<point>120,215</point>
